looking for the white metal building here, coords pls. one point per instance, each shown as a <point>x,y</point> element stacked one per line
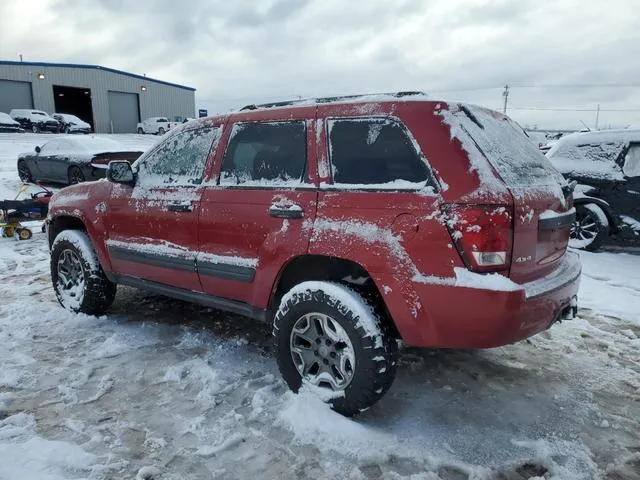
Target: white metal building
<point>112,101</point>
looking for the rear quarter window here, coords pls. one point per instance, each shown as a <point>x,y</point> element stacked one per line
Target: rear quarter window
<point>375,153</point>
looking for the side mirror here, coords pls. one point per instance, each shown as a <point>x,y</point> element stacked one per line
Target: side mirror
<point>120,171</point>
<point>38,149</point>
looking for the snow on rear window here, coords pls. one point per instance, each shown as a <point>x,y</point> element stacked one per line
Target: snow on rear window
<point>596,160</point>
<point>487,134</point>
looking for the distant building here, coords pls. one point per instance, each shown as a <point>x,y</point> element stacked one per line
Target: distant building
<point>112,101</point>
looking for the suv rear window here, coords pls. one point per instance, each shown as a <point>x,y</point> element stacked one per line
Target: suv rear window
<point>374,153</point>
<point>265,154</point>
<point>504,144</point>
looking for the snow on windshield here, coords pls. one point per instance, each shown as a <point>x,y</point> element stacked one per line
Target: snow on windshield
<point>595,160</point>
<point>503,143</point>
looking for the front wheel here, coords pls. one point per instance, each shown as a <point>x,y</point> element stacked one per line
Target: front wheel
<point>161,131</point>
<point>329,336</point>
<point>140,131</point>
<point>24,172</point>
<point>590,228</point>
<point>34,128</point>
<point>79,282</point>
<point>75,175</point>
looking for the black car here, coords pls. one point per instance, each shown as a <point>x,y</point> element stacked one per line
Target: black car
<point>72,160</point>
<point>35,121</point>
<point>606,166</point>
<point>8,124</point>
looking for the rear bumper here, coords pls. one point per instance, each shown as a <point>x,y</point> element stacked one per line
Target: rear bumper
<point>450,316</point>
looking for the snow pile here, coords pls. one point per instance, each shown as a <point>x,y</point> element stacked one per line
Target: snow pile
<point>312,422</point>
<point>26,456</point>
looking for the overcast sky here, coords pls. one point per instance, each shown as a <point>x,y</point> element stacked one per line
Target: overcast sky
<point>239,51</point>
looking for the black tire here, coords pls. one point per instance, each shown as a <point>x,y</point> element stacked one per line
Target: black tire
<point>590,228</point>
<point>35,129</point>
<point>24,172</point>
<point>140,131</point>
<point>161,131</point>
<point>375,348</point>
<point>24,233</point>
<point>75,175</point>
<point>92,293</point>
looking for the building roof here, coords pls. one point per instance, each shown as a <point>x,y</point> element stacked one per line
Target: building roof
<point>94,67</point>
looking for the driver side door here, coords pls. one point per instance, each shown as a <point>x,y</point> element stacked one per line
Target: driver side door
<point>152,225</point>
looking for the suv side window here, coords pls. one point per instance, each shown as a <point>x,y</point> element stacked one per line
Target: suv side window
<point>375,153</point>
<point>631,166</point>
<point>180,159</point>
<point>265,154</point>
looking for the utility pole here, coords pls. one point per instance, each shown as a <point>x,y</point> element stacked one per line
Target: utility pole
<point>20,55</point>
<point>597,116</point>
<point>505,94</point>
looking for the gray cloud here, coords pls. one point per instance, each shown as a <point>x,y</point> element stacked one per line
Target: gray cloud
<point>244,51</point>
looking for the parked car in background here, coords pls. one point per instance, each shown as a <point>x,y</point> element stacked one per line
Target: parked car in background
<point>8,124</point>
<point>35,120</point>
<point>179,120</point>
<point>155,126</point>
<point>72,160</point>
<point>347,224</point>
<point>606,166</point>
<point>538,138</point>
<point>71,123</point>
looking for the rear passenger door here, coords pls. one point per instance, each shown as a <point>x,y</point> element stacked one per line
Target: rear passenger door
<point>152,226</point>
<point>379,202</point>
<point>257,216</point>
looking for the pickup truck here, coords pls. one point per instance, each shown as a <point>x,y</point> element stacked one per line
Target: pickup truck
<point>155,126</point>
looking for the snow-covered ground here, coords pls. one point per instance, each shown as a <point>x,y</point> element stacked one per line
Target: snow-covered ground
<point>166,390</point>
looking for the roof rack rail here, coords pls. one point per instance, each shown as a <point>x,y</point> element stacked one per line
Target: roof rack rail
<point>341,98</point>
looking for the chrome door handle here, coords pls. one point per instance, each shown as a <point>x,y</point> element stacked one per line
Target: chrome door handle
<point>179,207</point>
<point>290,211</point>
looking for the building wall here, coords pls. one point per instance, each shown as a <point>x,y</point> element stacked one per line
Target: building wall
<point>157,100</point>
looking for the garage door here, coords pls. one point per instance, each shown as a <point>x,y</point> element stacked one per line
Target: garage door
<point>15,95</point>
<point>124,112</point>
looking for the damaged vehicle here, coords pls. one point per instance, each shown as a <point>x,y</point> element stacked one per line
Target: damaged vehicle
<point>346,223</point>
<point>72,160</point>
<point>606,167</point>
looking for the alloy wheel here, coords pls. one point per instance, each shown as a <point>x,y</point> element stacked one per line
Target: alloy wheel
<point>585,227</point>
<point>70,273</point>
<point>322,351</point>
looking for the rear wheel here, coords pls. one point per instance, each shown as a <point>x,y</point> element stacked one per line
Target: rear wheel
<point>75,175</point>
<point>590,228</point>
<point>34,128</point>
<point>24,172</point>
<point>161,131</point>
<point>329,336</point>
<point>78,279</point>
<point>140,131</point>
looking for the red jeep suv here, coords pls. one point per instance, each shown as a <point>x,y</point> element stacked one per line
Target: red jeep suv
<point>347,223</point>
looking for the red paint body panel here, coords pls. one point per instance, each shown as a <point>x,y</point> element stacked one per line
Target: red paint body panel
<point>401,238</point>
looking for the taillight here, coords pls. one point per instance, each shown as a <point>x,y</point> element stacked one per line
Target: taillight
<point>483,235</point>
